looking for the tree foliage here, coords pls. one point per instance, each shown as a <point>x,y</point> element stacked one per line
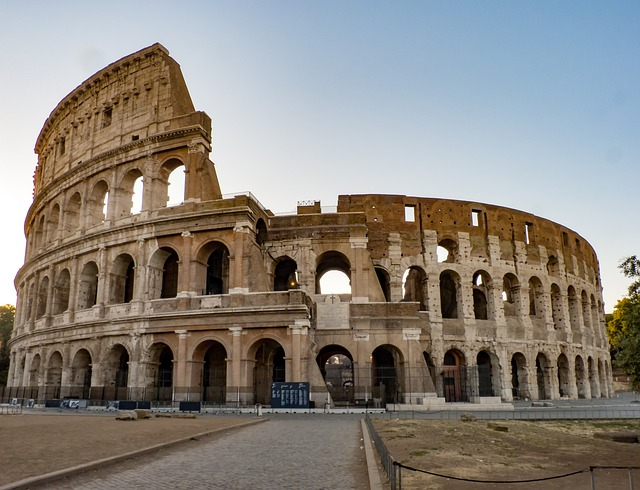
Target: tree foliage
<point>623,326</point>
<point>7,314</point>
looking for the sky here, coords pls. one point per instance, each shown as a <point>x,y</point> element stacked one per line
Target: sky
<point>529,105</point>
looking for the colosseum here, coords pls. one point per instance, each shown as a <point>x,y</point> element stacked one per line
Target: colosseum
<point>142,281</point>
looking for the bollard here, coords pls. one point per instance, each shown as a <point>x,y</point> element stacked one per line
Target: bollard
<point>259,409</point>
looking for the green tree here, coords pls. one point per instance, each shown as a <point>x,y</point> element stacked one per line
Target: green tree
<point>623,326</point>
<point>7,314</point>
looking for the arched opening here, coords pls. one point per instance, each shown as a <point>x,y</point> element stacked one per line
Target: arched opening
<point>261,232</point>
<point>214,374</point>
<point>553,267</point>
<point>454,377</point>
<point>43,291</point>
<point>53,380</point>
<point>71,220</point>
<point>61,292</point>
<point>414,286</point>
<point>510,295</point>
<point>285,275</point>
<point>333,274</point>
<point>481,285</point>
<point>447,251</point>
<point>485,376</point>
<point>269,368</point>
<point>170,275</point>
<point>80,379</point>
<point>97,204</point>
<point>449,282</point>
<point>563,376</point>
<point>162,357</point>
<point>218,270</point>
<point>603,378</point>
<point>176,186</point>
<point>574,310</point>
<point>54,222</point>
<point>336,365</point>
<point>122,279</point>
<point>593,378</point>
<point>581,377</point>
<point>116,374</point>
<point>34,373</point>
<point>385,374</point>
<point>586,310</point>
<point>88,286</point>
<point>136,195</point>
<point>556,307</point>
<point>536,298</point>
<point>543,377</point>
<point>519,382</point>
<point>384,281</point>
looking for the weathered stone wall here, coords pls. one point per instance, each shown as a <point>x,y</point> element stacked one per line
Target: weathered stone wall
<point>214,299</point>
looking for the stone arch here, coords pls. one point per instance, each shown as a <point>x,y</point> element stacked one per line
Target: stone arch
<point>122,279</point>
<point>61,292</point>
<point>34,371</point>
<point>53,376</point>
<point>336,365</point>
<point>160,371</point>
<point>581,377</point>
<point>488,368</point>
<point>386,374</point>
<point>415,286</point>
<point>385,282</point>
<point>593,378</point>
<point>454,376</point>
<point>261,232</point>
<point>563,376</point>
<point>212,355</point>
<point>40,239</point>
<point>602,375</point>
<point>574,309</point>
<point>53,226</point>
<point>130,193</point>
<point>88,286</point>
<point>450,290</point>
<point>43,291</point>
<point>80,375</point>
<point>553,266</point>
<point>543,376</point>
<point>97,203</point>
<point>162,273</point>
<point>482,296</point>
<point>214,275</point>
<point>586,310</point>
<point>595,313</point>
<point>285,276</point>
<point>447,251</point>
<point>520,388</point>
<point>115,373</point>
<point>536,298</point>
<point>328,262</point>
<point>72,212</point>
<point>556,307</point>
<point>511,295</point>
<point>269,367</point>
<point>176,186</point>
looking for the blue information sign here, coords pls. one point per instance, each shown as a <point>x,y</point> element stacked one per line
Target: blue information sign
<point>290,395</point>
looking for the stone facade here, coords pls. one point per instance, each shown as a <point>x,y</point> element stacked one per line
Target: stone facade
<point>127,295</point>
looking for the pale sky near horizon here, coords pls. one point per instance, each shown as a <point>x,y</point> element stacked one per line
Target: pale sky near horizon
<point>530,105</point>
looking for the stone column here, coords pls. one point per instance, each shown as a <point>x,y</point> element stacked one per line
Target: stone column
<point>238,282</point>
<point>296,330</point>
<point>180,363</point>
<point>360,283</point>
<point>185,282</point>
<point>236,364</point>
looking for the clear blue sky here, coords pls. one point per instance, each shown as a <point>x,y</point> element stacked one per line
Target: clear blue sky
<point>532,105</point>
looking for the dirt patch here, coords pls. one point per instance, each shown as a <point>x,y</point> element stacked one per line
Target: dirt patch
<point>526,450</point>
<point>37,444</point>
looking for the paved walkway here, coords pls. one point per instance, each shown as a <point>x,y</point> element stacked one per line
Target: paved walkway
<point>285,452</point>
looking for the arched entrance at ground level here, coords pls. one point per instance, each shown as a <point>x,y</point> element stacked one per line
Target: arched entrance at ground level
<point>385,374</point>
<point>336,365</point>
<point>593,378</point>
<point>563,375</point>
<point>519,383</point>
<point>543,377</point>
<point>53,381</point>
<point>269,368</point>
<point>485,375</point>
<point>581,377</point>
<point>454,377</point>
<point>602,375</point>
<point>162,355</point>
<point>214,374</point>
<point>80,379</point>
<point>116,374</point>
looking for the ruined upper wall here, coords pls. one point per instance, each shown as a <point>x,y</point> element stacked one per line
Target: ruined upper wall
<point>386,213</point>
<point>141,95</point>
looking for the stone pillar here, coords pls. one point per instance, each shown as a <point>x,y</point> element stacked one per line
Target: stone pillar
<point>102,295</point>
<point>185,283</point>
<point>238,280</point>
<point>297,330</point>
<point>180,379</point>
<point>236,364</point>
<point>360,283</point>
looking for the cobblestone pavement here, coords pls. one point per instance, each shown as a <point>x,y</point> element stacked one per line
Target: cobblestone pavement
<point>285,452</point>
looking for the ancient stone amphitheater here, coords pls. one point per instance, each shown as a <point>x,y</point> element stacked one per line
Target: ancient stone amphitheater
<point>133,291</point>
